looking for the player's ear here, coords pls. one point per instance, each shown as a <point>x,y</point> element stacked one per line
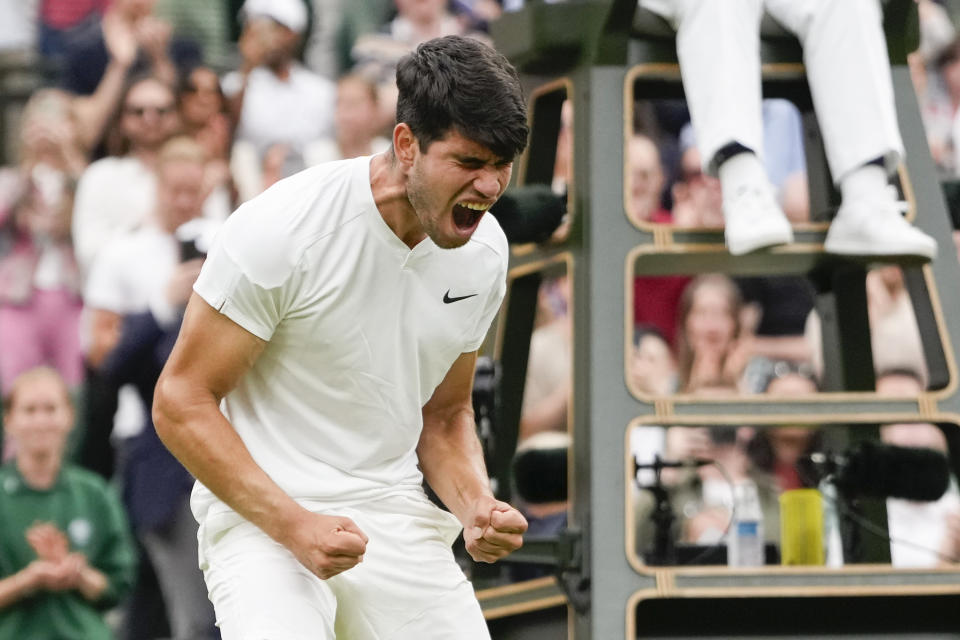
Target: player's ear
<point>405,144</point>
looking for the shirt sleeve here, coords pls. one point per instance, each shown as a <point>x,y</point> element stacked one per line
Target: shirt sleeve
<point>251,275</point>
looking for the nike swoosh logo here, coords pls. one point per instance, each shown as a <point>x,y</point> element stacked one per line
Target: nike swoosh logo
<point>447,299</point>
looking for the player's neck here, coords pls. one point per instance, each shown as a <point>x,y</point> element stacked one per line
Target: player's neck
<point>388,185</point>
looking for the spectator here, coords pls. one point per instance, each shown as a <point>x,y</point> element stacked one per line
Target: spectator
<point>136,291</point>
<point>203,114</point>
<point>778,307</point>
<point>65,550</point>
<point>355,123</point>
<point>92,112</point>
<point>546,392</point>
<point>844,55</point>
<point>279,105</point>
<point>203,117</point>
<point>62,20</point>
<point>651,366</point>
<point>697,199</point>
<point>645,180</point>
<point>783,159</point>
<point>776,450</point>
<point>710,519</point>
<point>156,51</point>
<point>702,499</point>
<point>39,279</point>
<point>132,272</point>
<point>705,496</point>
<point>121,41</point>
<point>115,194</point>
<point>710,345</point>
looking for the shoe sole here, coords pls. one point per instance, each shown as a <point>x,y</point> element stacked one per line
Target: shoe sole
<point>756,243</point>
<point>859,250</point>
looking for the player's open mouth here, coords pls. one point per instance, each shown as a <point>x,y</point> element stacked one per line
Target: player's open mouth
<point>466,215</point>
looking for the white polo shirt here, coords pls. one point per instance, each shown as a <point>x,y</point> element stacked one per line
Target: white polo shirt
<point>360,328</point>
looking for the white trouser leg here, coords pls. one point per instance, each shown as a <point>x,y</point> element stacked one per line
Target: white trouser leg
<point>718,45</point>
<point>261,592</point>
<point>848,69</point>
<point>408,585</point>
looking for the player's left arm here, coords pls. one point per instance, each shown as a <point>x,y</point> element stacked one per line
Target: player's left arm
<point>452,462</point>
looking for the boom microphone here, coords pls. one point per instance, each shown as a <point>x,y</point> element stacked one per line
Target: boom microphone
<point>884,471</point>
<point>530,213</point>
<point>540,467</point>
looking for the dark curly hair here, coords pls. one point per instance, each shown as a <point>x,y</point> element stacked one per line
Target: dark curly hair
<point>462,84</point>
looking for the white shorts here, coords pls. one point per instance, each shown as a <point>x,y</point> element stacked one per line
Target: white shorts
<point>408,585</point>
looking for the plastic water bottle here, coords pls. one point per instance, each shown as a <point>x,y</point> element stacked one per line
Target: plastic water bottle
<point>745,545</point>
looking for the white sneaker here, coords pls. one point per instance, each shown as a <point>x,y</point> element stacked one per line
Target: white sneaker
<point>876,227</point>
<point>754,220</point>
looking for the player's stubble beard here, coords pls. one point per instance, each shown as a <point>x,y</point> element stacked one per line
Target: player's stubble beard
<point>418,193</point>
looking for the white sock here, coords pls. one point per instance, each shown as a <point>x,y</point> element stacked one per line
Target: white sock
<point>867,182</point>
<point>740,171</point>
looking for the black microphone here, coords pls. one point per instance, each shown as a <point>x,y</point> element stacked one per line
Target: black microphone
<point>530,213</point>
<point>540,467</point>
<point>883,471</point>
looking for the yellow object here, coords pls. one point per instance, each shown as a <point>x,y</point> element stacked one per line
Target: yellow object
<point>801,527</point>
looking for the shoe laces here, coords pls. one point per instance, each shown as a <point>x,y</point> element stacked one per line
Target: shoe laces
<point>749,201</point>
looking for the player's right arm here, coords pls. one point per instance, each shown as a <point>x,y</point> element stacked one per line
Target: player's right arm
<point>211,354</point>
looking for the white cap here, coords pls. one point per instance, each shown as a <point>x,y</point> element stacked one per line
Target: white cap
<point>290,13</point>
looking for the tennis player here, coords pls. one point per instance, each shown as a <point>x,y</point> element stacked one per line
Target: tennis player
<point>325,368</point>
